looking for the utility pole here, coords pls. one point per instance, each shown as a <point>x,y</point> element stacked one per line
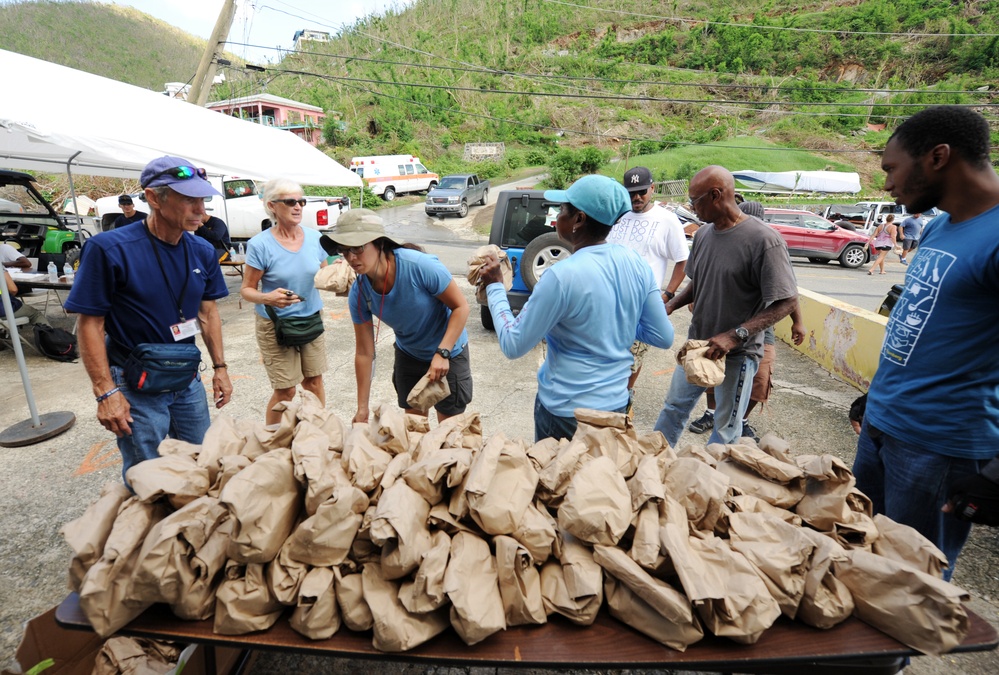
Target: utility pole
<point>206,69</point>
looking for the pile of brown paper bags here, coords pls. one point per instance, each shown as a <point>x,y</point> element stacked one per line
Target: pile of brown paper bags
<point>403,530</point>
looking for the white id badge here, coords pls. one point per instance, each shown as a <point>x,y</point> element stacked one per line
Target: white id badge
<point>185,329</point>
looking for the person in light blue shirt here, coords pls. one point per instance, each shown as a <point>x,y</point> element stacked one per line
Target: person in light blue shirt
<point>589,308</point>
<point>413,292</point>
<point>281,264</point>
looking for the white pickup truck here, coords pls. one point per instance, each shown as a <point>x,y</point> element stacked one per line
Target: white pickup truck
<point>241,208</point>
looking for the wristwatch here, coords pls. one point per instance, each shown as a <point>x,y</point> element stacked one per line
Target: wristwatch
<point>669,295</point>
<point>446,353</point>
<point>742,333</point>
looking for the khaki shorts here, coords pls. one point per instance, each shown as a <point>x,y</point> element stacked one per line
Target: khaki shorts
<point>763,382</point>
<point>638,350</point>
<point>287,366</point>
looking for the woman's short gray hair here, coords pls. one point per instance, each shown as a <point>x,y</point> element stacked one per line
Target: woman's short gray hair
<point>276,187</point>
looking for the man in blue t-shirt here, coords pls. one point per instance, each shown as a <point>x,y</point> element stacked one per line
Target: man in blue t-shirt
<point>932,419</point>
<point>152,281</point>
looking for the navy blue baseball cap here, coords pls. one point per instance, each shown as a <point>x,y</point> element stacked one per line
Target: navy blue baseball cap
<point>601,198</point>
<point>179,175</point>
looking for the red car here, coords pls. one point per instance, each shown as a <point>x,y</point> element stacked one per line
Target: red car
<point>810,236</point>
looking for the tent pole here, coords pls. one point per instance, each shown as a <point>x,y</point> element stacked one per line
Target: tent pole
<point>72,192</point>
<point>37,428</point>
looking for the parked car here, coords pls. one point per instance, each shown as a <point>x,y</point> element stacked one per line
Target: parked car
<point>524,227</point>
<point>810,236</point>
<point>454,193</point>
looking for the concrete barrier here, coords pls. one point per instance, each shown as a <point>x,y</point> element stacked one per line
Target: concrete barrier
<point>843,339</point>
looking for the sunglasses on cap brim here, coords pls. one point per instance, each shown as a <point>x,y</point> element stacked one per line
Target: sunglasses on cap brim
<point>181,173</point>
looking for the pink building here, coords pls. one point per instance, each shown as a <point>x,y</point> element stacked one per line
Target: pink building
<point>301,119</point>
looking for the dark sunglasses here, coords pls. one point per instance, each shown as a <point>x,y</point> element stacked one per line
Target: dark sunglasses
<point>181,172</point>
<point>290,202</point>
<point>355,250</point>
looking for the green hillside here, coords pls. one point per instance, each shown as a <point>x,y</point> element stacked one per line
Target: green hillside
<point>116,42</point>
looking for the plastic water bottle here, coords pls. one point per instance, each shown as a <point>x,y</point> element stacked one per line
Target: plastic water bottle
<point>53,272</point>
<point>232,254</point>
<point>67,271</point>
<point>242,253</point>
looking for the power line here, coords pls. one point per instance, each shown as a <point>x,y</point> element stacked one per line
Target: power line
<point>700,85</point>
<point>834,31</point>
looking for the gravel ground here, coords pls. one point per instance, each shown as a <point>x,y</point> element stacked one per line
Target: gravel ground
<point>44,485</point>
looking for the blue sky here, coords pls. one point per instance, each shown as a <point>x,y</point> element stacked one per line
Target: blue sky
<point>271,23</point>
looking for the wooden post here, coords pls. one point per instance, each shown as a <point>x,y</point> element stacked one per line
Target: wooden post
<point>206,68</point>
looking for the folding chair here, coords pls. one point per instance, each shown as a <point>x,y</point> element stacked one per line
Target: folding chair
<point>21,322</point>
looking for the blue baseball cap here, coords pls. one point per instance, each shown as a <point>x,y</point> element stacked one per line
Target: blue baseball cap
<point>601,198</point>
<point>179,175</point>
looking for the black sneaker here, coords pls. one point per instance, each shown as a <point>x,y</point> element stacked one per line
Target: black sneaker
<point>705,423</point>
<point>749,432</point>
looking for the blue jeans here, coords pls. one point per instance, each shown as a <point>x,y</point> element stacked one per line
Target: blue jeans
<point>181,414</point>
<point>910,486</point>
<point>731,401</point>
<point>547,425</point>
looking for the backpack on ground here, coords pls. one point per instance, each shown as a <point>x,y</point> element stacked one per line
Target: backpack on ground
<point>55,343</point>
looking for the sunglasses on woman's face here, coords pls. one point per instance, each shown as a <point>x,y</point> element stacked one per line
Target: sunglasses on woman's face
<point>181,172</point>
<point>290,202</point>
<point>353,250</point>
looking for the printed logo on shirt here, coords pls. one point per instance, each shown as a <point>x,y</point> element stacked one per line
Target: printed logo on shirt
<point>922,288</point>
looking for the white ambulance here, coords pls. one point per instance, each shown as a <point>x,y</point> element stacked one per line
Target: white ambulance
<point>389,175</point>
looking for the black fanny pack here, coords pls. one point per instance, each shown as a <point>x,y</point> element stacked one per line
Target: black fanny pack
<point>295,331</point>
<point>158,368</point>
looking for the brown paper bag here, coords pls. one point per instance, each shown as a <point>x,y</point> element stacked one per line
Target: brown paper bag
<point>316,615</point>
<point>764,465</point>
<point>264,500</point>
<point>435,470</point>
<point>399,526</point>
<point>350,599</point>
<point>701,490</point>
<point>500,485</point>
<point>460,431</point>
<point>829,482</point>
<point>645,544</point>
<point>751,504</point>
<point>650,606</point>
<point>337,277</point>
<point>597,505</point>
<point>425,593</point>
<point>751,483</point>
<point>362,460</point>
<point>699,369</point>
<point>427,393</point>
<point>164,571</point>
<point>254,431</point>
<point>544,451</point>
<point>581,611</point>
<point>285,575</point>
<point>324,539</point>
<point>104,590</point>
<point>136,656</point>
<point>859,531</point>
<point>86,535</point>
<point>174,446</point>
<point>519,583</point>
<point>916,609</point>
<point>208,565</point>
<point>223,439</point>
<point>827,601</point>
<point>555,477</point>
<point>244,601</point>
<point>280,435</point>
<point>314,412</point>
<point>395,629</point>
<point>229,466</point>
<point>390,428</point>
<point>537,532</point>
<point>778,551</point>
<point>309,453</point>
<point>393,472</point>
<point>905,544</point>
<point>176,477</point>
<point>583,576</point>
<point>646,483</point>
<point>475,264</point>
<point>472,586</point>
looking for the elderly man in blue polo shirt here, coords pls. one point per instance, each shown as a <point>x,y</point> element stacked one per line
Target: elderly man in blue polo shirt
<point>152,283</point>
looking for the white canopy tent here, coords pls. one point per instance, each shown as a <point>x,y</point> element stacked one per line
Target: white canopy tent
<point>56,119</point>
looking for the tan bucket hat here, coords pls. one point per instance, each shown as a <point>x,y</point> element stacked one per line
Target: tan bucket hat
<point>356,228</point>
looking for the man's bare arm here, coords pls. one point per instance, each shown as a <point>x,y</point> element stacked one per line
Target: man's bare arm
<point>211,332</point>
<point>114,412</point>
